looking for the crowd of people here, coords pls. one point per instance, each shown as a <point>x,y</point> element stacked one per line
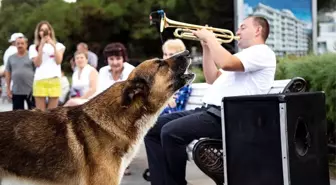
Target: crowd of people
<point>34,75</point>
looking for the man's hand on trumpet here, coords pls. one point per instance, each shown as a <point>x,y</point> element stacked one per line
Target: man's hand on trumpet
<point>204,35</point>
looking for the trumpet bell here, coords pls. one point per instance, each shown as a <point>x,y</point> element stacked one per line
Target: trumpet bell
<point>184,30</point>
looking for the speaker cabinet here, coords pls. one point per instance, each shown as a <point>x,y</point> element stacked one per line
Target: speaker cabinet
<point>275,139</point>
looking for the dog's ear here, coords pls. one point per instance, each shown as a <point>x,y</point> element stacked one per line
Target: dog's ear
<point>135,89</point>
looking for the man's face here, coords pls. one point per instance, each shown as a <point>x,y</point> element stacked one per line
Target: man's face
<point>21,44</point>
<point>247,33</point>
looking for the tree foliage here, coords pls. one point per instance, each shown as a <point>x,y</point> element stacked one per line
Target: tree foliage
<point>99,22</point>
<point>326,5</point>
<point>319,72</point>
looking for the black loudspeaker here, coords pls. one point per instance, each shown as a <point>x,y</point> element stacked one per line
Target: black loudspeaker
<point>275,139</point>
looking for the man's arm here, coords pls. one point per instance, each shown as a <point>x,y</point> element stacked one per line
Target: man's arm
<point>8,79</point>
<point>210,69</point>
<point>223,58</point>
<point>94,61</point>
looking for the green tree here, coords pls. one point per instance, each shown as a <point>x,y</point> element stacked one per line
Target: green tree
<point>34,3</point>
<point>326,5</point>
<point>99,22</point>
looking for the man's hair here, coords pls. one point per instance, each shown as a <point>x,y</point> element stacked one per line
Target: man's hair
<point>24,38</point>
<point>83,44</point>
<point>261,21</point>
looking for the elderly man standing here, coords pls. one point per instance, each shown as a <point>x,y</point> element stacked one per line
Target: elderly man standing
<point>9,51</point>
<point>20,70</point>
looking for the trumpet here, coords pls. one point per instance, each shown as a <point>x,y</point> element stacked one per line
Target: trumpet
<point>183,30</point>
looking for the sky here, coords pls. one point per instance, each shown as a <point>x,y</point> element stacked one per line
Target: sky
<point>300,8</point>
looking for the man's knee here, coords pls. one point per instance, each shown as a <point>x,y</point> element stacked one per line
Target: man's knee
<point>152,133</point>
<point>169,132</point>
<point>156,130</point>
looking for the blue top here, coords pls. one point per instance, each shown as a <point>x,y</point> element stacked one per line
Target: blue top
<point>181,100</point>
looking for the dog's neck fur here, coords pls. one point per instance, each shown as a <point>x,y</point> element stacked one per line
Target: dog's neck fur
<point>139,112</point>
<point>131,122</point>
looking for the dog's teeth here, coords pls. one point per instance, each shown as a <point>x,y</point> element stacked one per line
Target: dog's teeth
<point>187,69</point>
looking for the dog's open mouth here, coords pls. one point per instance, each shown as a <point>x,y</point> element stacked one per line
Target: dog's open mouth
<point>183,75</point>
<point>188,75</point>
<point>184,64</point>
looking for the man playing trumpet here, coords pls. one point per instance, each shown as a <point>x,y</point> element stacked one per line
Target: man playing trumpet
<point>248,72</point>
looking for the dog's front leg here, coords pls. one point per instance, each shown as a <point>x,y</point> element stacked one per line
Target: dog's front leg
<point>105,176</point>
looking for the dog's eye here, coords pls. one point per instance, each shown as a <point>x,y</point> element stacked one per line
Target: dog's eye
<point>161,63</point>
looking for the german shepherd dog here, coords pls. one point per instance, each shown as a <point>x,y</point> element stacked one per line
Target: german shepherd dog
<point>90,144</point>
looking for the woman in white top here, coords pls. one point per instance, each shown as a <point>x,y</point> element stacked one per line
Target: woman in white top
<point>47,55</point>
<point>84,80</point>
<point>117,69</point>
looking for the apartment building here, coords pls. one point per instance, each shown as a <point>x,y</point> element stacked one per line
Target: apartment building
<point>326,40</point>
<point>288,34</point>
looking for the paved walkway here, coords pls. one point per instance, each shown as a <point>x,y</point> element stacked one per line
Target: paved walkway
<point>194,175</point>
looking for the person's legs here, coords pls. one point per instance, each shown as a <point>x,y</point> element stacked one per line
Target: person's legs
<point>52,102</point>
<point>154,149</point>
<point>30,101</point>
<point>18,101</point>
<point>40,103</point>
<point>54,92</point>
<point>40,92</point>
<point>177,134</point>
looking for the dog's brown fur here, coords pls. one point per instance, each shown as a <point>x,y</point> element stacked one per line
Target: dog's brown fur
<point>93,143</point>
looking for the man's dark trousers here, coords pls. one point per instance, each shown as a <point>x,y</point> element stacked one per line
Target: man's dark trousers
<point>166,142</point>
<point>18,101</point>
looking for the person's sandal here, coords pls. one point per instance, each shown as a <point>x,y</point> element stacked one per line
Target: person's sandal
<point>146,175</point>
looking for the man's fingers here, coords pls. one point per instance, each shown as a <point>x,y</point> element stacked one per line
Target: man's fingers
<point>194,32</point>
